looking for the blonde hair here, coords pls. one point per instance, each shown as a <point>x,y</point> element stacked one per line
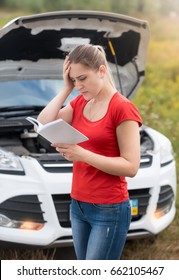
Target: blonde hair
<point>92,56</point>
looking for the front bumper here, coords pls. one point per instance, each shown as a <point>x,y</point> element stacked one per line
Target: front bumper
<point>51,193</point>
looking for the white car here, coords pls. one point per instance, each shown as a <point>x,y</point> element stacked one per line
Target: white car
<point>35,181</point>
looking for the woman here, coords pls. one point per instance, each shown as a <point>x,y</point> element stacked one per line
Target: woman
<point>100,209</point>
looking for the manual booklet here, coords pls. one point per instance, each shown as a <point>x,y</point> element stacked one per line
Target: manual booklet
<point>58,131</point>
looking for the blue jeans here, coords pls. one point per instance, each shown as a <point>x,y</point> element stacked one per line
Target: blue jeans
<point>99,230</point>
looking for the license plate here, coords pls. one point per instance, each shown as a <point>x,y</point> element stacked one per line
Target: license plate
<point>134,207</point>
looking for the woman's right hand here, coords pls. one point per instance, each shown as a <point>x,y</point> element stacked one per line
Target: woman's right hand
<point>68,84</point>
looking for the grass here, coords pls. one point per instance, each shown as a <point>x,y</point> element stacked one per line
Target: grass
<point>158,103</point>
<point>165,246</point>
<point>6,16</point>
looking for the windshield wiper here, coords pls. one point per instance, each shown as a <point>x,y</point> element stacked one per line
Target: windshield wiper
<point>22,108</point>
<point>18,111</point>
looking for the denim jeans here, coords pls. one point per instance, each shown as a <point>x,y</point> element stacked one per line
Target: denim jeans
<point>99,230</point>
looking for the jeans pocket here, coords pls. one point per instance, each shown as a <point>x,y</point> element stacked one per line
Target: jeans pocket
<point>106,206</point>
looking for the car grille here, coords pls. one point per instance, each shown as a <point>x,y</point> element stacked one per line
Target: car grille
<point>23,208</point>
<point>166,197</point>
<point>145,161</point>
<point>63,166</point>
<point>60,166</point>
<point>143,196</point>
<point>62,205</point>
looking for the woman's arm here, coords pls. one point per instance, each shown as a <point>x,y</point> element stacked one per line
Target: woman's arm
<point>53,110</point>
<point>126,164</point>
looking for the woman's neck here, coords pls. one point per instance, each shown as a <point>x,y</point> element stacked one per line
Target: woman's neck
<point>104,94</point>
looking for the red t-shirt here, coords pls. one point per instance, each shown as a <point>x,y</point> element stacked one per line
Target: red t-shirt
<point>90,184</point>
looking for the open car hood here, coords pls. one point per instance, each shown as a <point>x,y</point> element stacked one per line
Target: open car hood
<point>34,47</point>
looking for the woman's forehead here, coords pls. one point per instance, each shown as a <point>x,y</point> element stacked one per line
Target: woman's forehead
<point>78,69</point>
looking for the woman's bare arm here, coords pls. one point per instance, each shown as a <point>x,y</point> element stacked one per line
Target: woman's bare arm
<point>126,164</point>
<point>53,110</point>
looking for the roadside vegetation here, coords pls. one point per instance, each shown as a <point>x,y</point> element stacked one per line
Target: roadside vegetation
<point>158,103</point>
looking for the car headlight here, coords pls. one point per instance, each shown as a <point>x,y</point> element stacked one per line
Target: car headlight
<point>166,153</point>
<point>146,143</point>
<point>10,163</point>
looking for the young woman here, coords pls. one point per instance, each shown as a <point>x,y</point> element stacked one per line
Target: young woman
<point>100,210</point>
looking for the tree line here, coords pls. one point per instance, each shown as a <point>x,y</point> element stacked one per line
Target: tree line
<point>163,7</point>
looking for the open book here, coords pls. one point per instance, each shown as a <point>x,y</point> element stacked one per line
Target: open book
<point>58,131</point>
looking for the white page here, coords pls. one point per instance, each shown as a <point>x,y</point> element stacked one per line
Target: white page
<point>58,131</point>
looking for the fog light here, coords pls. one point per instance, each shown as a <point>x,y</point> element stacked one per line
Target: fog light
<point>31,226</point>
<point>25,225</point>
<point>161,212</point>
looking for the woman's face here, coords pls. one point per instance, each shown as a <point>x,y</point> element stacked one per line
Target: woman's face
<point>87,81</point>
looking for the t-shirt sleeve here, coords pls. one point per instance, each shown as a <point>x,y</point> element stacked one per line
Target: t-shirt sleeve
<point>78,101</point>
<point>126,111</point>
<point>73,102</point>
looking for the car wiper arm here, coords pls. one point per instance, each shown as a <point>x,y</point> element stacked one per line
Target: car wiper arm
<point>22,108</point>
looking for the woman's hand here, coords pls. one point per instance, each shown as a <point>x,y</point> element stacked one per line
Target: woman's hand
<point>70,152</point>
<point>68,84</point>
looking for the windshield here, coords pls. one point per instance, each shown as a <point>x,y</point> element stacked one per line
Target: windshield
<point>30,92</point>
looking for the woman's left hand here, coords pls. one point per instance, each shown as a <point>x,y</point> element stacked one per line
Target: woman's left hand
<point>69,151</point>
